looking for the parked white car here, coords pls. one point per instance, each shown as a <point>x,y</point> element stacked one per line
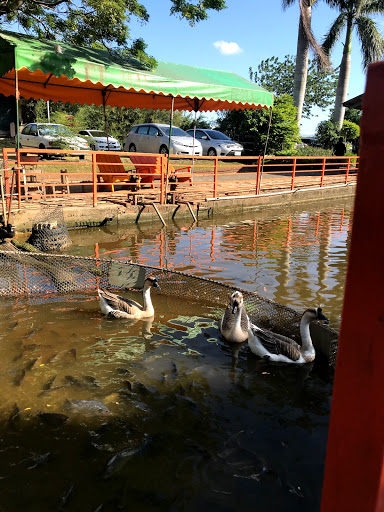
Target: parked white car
<point>216,143</point>
<point>100,141</point>
<point>51,136</point>
<point>154,138</point>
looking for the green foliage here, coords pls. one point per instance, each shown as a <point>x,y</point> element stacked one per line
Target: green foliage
<point>277,76</point>
<point>120,120</point>
<point>95,23</point>
<point>252,125</point>
<point>312,151</point>
<point>353,114</point>
<point>327,134</point>
<point>350,131</point>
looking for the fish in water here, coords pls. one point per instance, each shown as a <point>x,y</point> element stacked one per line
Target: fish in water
<point>120,459</point>
<point>87,407</point>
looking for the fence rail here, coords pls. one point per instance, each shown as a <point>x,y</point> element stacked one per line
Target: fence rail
<point>102,174</point>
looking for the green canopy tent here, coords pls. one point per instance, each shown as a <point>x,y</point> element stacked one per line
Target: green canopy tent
<point>57,71</point>
<point>52,70</point>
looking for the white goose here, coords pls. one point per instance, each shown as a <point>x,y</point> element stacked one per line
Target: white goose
<point>275,347</point>
<point>234,323</point>
<point>115,306</point>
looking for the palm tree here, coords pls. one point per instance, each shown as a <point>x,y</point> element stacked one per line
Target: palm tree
<point>305,40</point>
<point>353,14</point>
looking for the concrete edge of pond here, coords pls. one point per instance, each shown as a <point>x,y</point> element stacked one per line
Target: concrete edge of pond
<point>81,216</point>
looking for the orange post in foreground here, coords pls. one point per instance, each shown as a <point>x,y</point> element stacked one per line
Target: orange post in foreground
<point>354,470</point>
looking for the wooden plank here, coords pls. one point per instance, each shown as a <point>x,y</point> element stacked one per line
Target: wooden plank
<point>354,471</point>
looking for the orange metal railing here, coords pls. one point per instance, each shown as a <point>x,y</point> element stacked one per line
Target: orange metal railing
<point>103,174</point>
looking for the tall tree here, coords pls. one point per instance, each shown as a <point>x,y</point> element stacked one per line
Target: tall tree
<point>305,40</point>
<point>277,76</point>
<point>95,23</point>
<point>353,14</point>
<point>251,126</point>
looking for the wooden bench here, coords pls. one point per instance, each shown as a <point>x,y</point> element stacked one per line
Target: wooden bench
<point>31,180</point>
<point>110,165</point>
<point>149,169</point>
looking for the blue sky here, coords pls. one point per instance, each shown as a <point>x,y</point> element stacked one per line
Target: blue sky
<point>256,29</point>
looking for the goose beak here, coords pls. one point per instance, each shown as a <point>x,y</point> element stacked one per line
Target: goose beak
<point>156,285</point>
<point>322,317</point>
<point>235,306</point>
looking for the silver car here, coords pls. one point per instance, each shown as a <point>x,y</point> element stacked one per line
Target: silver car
<point>154,138</point>
<point>50,136</point>
<point>216,143</point>
<point>100,142</point>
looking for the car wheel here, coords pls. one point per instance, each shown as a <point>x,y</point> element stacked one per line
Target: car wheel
<point>211,152</point>
<point>93,147</point>
<point>81,157</point>
<point>163,150</point>
<point>132,148</point>
<point>43,155</point>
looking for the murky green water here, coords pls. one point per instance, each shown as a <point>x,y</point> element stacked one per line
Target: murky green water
<point>187,423</point>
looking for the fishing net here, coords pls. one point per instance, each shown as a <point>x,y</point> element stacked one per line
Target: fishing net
<point>50,274</point>
<point>49,231</point>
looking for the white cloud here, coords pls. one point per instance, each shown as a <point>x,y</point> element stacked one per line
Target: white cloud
<point>227,48</point>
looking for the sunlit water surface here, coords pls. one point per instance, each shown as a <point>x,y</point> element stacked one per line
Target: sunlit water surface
<point>172,418</point>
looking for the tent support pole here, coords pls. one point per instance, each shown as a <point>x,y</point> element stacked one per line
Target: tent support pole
<point>169,145</point>
<point>17,96</point>
<point>197,106</point>
<point>105,116</point>
<point>265,147</point>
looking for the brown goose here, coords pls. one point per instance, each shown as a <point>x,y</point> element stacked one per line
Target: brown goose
<point>115,306</point>
<point>234,323</point>
<point>275,347</point>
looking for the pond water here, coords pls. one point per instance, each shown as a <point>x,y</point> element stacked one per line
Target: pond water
<point>105,415</point>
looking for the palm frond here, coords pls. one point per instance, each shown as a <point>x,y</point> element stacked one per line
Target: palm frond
<point>373,7</point>
<point>321,56</point>
<point>334,33</point>
<point>287,3</point>
<point>372,44</point>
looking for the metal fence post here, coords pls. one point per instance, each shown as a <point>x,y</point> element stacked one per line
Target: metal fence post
<point>322,173</point>
<point>347,170</point>
<point>293,172</point>
<point>258,175</point>
<point>162,177</point>
<point>215,169</point>
<point>94,179</point>
<point>18,177</point>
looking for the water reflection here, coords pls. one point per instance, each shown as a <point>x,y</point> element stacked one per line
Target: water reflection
<point>298,259</point>
<point>186,420</point>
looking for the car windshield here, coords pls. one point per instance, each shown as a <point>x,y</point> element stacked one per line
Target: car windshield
<point>97,133</point>
<point>214,134</point>
<point>176,132</point>
<point>56,130</point>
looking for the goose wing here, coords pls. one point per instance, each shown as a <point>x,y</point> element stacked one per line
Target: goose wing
<point>118,303</point>
<point>277,344</point>
<point>244,321</point>
<point>227,319</point>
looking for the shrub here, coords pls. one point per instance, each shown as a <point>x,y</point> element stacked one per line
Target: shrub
<point>350,131</point>
<point>327,134</point>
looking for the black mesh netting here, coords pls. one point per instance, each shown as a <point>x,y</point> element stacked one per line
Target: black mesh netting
<point>49,231</point>
<point>37,273</point>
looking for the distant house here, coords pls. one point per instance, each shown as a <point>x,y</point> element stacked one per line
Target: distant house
<point>7,114</point>
<point>356,102</point>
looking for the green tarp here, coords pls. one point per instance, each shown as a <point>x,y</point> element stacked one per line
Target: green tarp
<point>58,71</point>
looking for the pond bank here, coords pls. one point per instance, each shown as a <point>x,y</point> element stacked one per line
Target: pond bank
<point>117,210</point>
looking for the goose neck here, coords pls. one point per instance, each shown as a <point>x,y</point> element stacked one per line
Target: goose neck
<point>306,341</point>
<point>147,302</point>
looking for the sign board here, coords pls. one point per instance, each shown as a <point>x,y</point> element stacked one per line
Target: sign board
<point>126,276</point>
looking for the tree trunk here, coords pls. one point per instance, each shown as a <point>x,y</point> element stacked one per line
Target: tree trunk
<point>301,68</point>
<point>343,81</point>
